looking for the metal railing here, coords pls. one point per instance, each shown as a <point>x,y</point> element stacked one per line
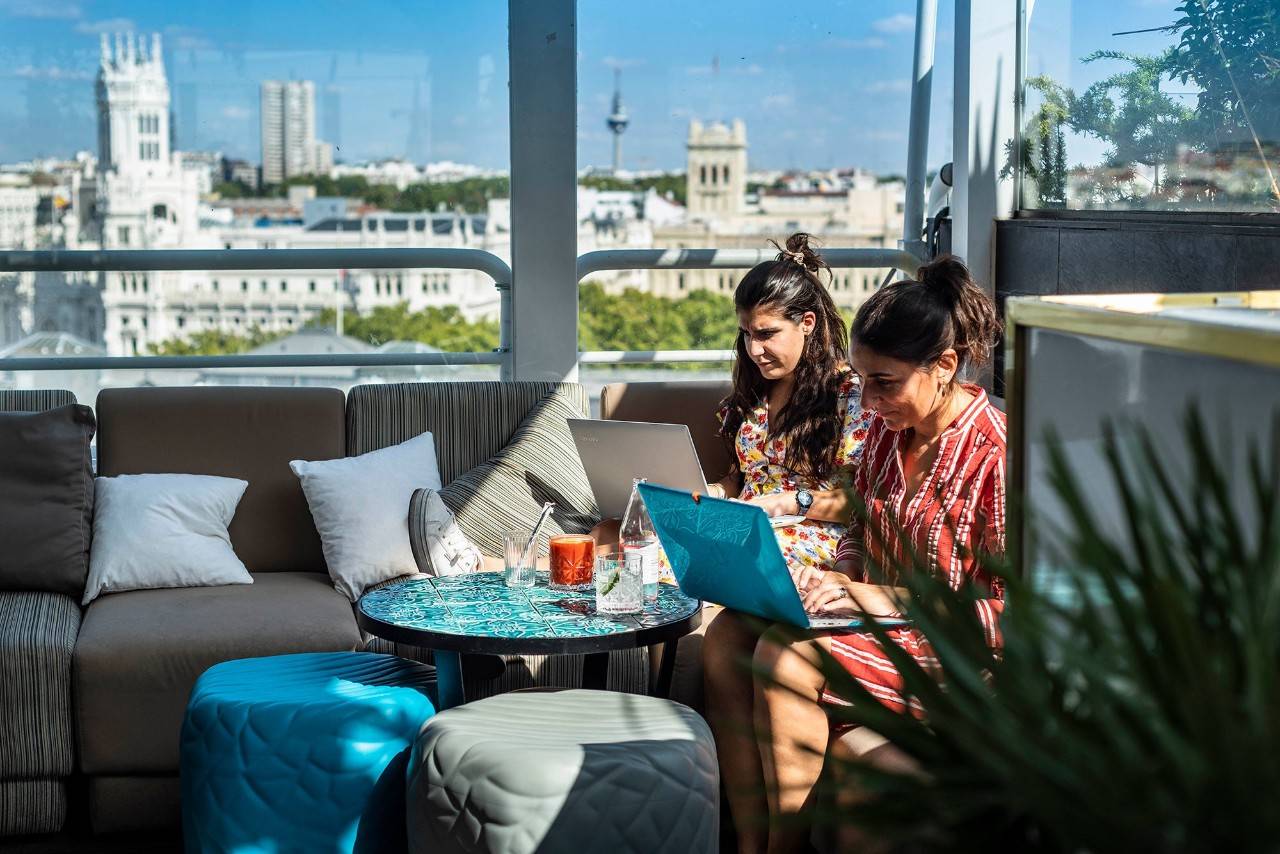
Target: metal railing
<point>712,259</point>
<point>179,260</point>
<point>183,260</point>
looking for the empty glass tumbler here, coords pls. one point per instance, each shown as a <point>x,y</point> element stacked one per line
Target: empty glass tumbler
<point>518,572</point>
<point>619,582</point>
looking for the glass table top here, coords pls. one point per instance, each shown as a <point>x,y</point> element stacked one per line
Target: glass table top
<point>480,605</point>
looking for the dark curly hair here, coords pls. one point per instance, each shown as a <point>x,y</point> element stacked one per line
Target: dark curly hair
<point>810,423</point>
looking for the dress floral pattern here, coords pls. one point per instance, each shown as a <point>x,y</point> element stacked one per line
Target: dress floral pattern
<point>762,462</point>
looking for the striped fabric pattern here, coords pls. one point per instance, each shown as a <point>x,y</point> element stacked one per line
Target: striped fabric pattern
<point>507,491</point>
<point>471,421</point>
<point>37,635</point>
<point>32,806</point>
<point>957,512</point>
<point>34,400</point>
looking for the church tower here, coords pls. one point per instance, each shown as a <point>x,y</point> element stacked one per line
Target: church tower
<point>133,105</point>
<point>717,176</point>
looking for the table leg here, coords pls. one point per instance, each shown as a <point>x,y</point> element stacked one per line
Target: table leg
<point>448,680</point>
<point>666,667</point>
<point>595,671</point>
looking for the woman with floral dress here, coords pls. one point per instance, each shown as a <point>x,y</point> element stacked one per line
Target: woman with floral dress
<point>796,424</point>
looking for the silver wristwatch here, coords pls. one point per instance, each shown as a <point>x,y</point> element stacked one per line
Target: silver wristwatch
<point>804,500</point>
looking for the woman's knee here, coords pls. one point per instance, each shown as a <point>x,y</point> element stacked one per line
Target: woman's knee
<point>728,644</point>
<point>782,658</point>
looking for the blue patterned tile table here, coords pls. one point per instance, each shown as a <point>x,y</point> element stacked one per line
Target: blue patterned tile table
<point>477,613</point>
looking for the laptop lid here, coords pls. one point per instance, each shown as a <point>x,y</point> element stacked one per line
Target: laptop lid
<point>724,552</point>
<point>614,453</point>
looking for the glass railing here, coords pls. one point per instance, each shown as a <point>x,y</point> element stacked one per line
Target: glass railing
<point>1149,106</point>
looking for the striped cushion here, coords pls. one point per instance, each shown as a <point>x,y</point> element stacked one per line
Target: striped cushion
<point>37,635</point>
<point>506,492</point>
<point>34,400</point>
<point>32,806</point>
<point>470,421</point>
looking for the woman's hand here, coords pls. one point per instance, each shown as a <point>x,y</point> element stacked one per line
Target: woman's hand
<point>808,578</point>
<point>777,504</point>
<point>839,595</point>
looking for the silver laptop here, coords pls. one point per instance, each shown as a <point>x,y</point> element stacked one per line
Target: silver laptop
<point>614,453</point>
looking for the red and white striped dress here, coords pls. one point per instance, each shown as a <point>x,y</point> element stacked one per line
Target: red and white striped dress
<point>957,512</point>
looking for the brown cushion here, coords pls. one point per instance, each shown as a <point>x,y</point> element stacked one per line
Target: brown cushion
<point>249,433</point>
<point>680,402</point>
<point>46,499</point>
<point>140,652</point>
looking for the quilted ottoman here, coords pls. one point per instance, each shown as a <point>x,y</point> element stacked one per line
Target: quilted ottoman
<point>577,771</point>
<point>301,752</point>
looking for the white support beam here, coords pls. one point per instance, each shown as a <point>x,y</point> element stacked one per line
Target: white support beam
<point>544,163</point>
<point>985,90</point>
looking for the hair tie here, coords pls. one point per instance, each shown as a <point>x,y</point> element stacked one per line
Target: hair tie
<point>796,256</point>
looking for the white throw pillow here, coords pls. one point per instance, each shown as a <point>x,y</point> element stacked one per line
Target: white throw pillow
<point>163,530</point>
<point>359,507</point>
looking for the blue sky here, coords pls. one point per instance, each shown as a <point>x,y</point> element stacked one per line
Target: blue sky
<point>820,83</point>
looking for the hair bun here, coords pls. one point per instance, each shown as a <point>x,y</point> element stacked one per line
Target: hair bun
<point>945,272</point>
<point>798,251</point>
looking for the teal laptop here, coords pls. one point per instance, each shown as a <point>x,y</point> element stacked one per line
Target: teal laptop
<point>726,552</point>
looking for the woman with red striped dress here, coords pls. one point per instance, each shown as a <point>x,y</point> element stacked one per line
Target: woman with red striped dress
<point>933,467</point>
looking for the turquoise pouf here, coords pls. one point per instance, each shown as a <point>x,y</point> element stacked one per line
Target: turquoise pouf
<point>301,752</point>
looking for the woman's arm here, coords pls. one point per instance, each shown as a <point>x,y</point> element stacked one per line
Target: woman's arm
<point>729,486</point>
<point>829,505</point>
<point>838,594</point>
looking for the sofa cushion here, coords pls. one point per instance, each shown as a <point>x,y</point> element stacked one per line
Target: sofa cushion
<point>247,433</point>
<point>140,652</point>
<point>32,806</point>
<point>46,499</point>
<point>37,636</point>
<point>359,506</point>
<point>507,491</point>
<point>163,530</point>
<point>470,421</point>
<point>679,402</point>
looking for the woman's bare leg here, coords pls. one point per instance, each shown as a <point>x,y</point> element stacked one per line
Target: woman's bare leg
<point>792,729</point>
<point>727,650</point>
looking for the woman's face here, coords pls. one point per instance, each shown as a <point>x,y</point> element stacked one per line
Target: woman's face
<point>774,343</point>
<point>900,392</point>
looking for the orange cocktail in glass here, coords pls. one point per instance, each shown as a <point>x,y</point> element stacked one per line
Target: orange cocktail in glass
<point>572,561</point>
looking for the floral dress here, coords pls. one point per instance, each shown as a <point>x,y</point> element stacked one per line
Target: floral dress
<point>762,462</point>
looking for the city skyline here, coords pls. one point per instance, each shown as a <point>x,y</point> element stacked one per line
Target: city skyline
<point>804,82</point>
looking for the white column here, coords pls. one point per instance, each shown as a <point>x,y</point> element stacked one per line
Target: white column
<point>544,292</point>
<point>985,57</point>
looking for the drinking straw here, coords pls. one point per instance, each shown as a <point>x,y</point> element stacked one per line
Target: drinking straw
<point>533,538</point>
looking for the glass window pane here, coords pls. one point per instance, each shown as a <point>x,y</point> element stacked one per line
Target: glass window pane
<point>1161,105</point>
<point>378,126</point>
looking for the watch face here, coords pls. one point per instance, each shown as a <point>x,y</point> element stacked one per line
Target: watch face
<point>804,498</point>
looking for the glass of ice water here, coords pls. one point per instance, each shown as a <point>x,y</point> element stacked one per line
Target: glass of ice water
<point>517,573</point>
<point>619,582</point>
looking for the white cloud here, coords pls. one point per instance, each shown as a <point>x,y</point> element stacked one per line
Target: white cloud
<point>109,26</point>
<point>51,72</point>
<point>236,113</point>
<point>752,69</point>
<point>899,23</point>
<point>40,9</point>
<point>869,43</point>
<point>778,101</point>
<point>186,38</point>
<point>889,87</point>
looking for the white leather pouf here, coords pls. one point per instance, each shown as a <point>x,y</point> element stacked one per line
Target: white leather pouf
<point>573,771</point>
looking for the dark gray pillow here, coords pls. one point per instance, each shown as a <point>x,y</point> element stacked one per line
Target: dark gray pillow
<point>506,492</point>
<point>46,499</point>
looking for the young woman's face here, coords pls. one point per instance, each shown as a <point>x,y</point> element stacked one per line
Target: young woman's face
<point>774,343</point>
<point>900,392</point>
